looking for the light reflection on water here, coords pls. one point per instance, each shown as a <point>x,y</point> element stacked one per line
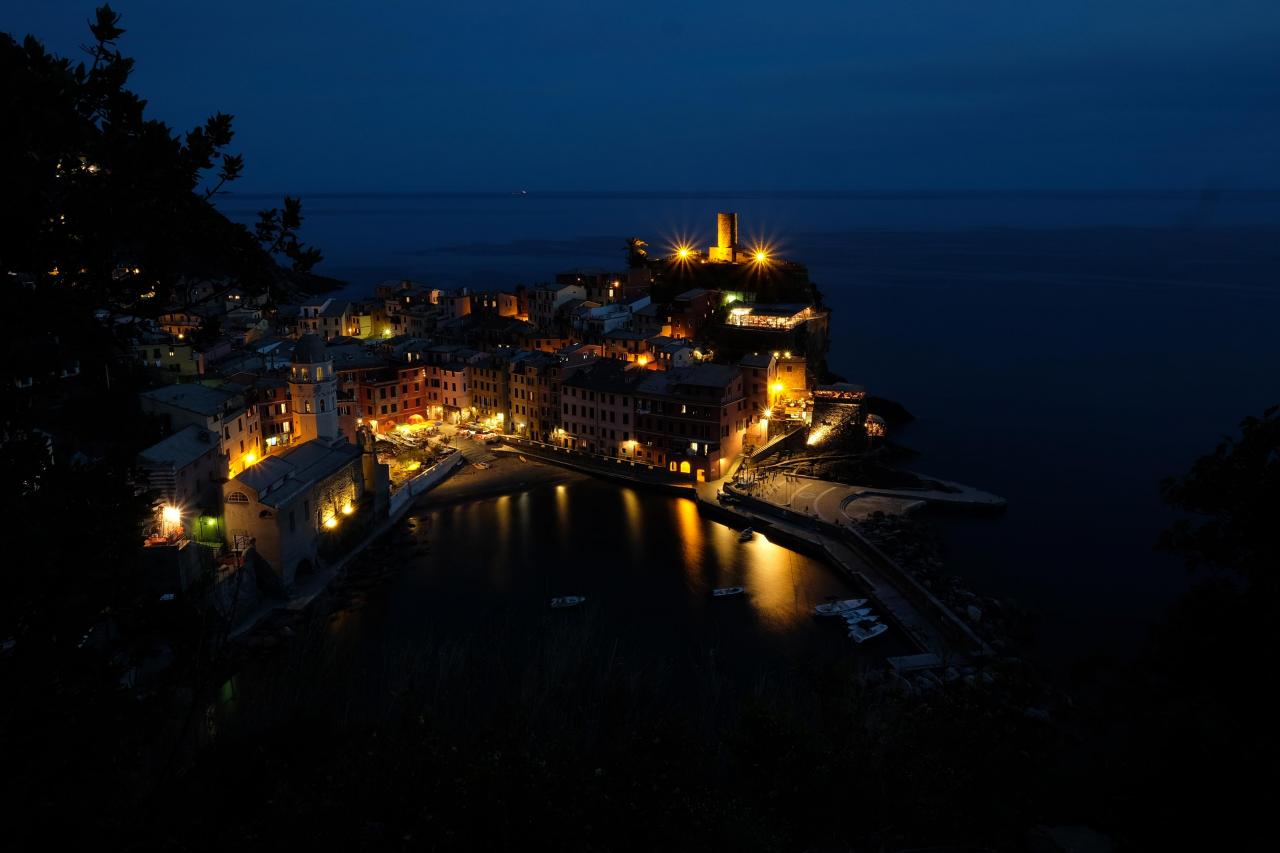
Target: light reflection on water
<point>634,516</point>
<point>646,562</point>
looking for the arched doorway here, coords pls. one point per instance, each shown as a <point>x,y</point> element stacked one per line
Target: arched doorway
<point>685,467</point>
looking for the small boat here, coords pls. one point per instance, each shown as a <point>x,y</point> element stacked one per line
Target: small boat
<point>482,466</point>
<point>835,608</point>
<point>727,590</point>
<point>745,536</point>
<point>860,633</point>
<point>568,600</point>
<point>858,619</point>
<point>852,616</point>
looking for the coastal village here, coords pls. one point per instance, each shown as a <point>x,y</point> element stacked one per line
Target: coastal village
<point>296,434</point>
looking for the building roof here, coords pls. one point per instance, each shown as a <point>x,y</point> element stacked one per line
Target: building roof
<point>310,350</point>
<point>354,357</point>
<point>626,335</point>
<point>692,294</point>
<point>336,309</point>
<point>280,479</point>
<point>757,359</point>
<point>698,375</point>
<point>607,374</point>
<point>182,448</point>
<point>200,399</point>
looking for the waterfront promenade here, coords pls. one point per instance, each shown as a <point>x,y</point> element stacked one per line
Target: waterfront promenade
<point>821,520</point>
<point>841,503</point>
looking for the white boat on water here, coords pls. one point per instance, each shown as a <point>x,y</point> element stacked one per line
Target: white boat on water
<point>836,608</point>
<point>568,600</point>
<point>852,617</point>
<point>862,633</point>
<point>727,590</point>
<point>745,536</point>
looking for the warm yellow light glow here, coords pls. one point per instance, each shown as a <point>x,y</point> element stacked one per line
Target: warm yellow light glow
<point>777,387</point>
<point>331,522</point>
<point>818,434</point>
<point>346,509</point>
<point>642,360</point>
<point>386,331</point>
<point>683,252</point>
<point>761,255</point>
<point>250,458</point>
<point>171,515</point>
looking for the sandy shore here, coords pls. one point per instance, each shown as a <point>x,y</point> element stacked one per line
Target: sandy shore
<point>505,475</point>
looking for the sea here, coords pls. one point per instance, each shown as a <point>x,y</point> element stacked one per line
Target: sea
<point>1065,350</point>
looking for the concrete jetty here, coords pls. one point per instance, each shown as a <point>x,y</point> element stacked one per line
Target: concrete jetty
<point>935,629</point>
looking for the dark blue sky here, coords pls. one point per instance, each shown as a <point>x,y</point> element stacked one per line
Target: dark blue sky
<point>395,95</point>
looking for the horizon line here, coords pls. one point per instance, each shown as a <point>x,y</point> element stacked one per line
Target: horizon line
<point>711,193</point>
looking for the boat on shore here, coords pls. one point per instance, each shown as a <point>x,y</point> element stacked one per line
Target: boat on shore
<point>836,608</point>
<point>726,591</point>
<point>862,633</point>
<point>567,601</point>
<point>745,535</point>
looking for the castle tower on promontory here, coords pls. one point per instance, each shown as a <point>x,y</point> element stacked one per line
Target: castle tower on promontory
<point>726,248</point>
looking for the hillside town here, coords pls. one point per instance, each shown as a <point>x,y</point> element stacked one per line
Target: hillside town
<point>283,422</point>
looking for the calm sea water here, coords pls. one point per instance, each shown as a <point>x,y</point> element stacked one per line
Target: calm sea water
<point>1065,350</point>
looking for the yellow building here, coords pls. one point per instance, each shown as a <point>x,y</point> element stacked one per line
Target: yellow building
<point>179,360</point>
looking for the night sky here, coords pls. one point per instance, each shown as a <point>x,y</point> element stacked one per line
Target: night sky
<point>853,94</point>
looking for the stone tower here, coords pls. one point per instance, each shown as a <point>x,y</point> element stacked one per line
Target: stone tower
<point>313,391</point>
<point>726,248</point>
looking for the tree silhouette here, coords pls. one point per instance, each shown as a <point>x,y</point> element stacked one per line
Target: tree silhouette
<point>103,202</point>
<point>1234,493</point>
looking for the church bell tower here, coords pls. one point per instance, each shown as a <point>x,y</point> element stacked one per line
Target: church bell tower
<point>313,391</point>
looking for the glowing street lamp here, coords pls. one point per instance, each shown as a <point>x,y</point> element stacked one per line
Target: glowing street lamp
<point>170,519</point>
